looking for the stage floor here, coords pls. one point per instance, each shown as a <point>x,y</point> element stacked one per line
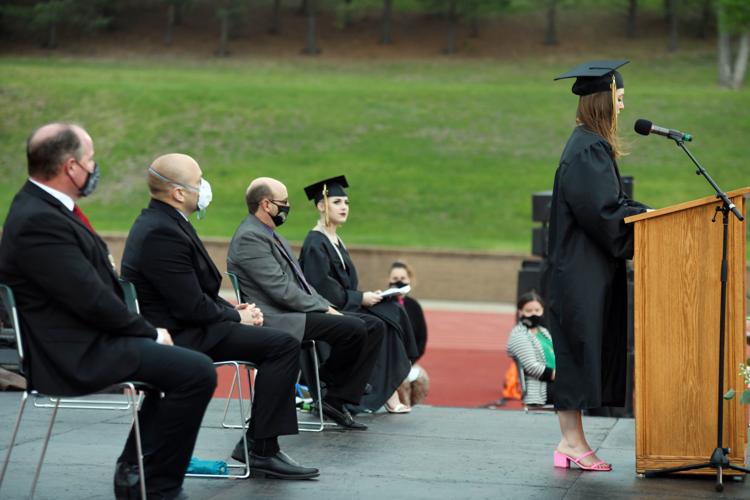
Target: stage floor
<point>433,453</point>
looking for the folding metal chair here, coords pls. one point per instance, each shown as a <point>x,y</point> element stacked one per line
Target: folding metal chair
<point>131,300</point>
<point>6,294</point>
<point>319,424</point>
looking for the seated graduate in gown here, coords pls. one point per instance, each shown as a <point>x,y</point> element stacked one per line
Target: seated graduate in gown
<point>328,266</point>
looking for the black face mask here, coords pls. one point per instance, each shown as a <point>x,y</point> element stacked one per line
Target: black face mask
<point>281,215</point>
<point>91,181</point>
<point>531,321</point>
<point>397,284</point>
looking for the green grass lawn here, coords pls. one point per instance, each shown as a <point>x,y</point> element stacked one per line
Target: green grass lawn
<point>439,154</point>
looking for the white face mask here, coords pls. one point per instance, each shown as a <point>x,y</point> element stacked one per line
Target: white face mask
<point>204,197</point>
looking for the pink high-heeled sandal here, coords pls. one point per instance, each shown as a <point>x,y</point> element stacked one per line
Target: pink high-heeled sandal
<point>563,461</point>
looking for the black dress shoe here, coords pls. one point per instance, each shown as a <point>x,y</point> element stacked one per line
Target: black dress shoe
<point>127,482</point>
<point>239,450</point>
<point>281,466</point>
<point>342,417</point>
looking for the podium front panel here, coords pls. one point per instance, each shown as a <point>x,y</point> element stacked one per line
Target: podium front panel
<point>677,297</point>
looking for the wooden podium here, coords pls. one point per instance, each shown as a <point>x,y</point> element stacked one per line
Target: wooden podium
<point>677,285</point>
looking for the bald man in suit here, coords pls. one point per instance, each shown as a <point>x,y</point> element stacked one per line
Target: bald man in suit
<point>178,287</point>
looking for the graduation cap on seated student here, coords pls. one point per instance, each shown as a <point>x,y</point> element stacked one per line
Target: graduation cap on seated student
<point>598,76</point>
<point>322,190</point>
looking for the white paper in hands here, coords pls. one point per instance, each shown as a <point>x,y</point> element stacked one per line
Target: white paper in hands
<point>395,291</point>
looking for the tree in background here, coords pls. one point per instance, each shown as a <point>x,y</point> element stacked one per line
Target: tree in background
<point>456,10</point>
<point>632,17</point>
<point>387,22</point>
<point>734,23</point>
<point>175,10</point>
<point>550,34</point>
<point>50,17</point>
<point>672,12</point>
<point>311,47</point>
<point>275,18</point>
<point>230,14</point>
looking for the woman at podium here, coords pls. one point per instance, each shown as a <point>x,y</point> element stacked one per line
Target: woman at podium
<point>585,281</point>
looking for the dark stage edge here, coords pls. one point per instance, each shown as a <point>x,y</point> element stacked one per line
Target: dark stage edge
<point>433,453</point>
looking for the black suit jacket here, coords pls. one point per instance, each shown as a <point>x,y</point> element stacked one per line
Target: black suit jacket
<point>78,333</point>
<point>176,280</point>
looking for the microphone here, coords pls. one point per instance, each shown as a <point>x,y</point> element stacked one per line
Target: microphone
<point>645,127</point>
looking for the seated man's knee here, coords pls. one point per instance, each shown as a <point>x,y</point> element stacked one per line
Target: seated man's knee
<point>204,372</point>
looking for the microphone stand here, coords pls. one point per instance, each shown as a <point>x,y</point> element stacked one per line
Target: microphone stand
<point>719,459</point>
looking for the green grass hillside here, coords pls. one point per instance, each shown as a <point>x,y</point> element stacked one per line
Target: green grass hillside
<point>439,154</point>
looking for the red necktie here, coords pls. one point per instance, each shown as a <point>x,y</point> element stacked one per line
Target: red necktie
<point>82,217</point>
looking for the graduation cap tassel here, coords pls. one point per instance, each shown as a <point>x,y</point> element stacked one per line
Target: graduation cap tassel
<point>613,88</point>
<point>325,204</point>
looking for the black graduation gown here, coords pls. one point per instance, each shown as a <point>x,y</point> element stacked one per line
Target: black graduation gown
<point>585,277</point>
<point>418,324</point>
<point>324,270</point>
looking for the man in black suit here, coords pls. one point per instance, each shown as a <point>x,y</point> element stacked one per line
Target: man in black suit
<point>78,333</point>
<point>178,288</point>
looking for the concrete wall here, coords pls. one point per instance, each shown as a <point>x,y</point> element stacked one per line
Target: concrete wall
<point>441,275</point>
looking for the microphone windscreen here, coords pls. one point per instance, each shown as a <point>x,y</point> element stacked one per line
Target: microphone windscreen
<point>642,126</point>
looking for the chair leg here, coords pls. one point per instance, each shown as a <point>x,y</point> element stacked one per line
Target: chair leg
<point>44,450</point>
<point>24,398</point>
<point>229,400</point>
<point>321,424</point>
<point>138,443</point>
<point>243,421</point>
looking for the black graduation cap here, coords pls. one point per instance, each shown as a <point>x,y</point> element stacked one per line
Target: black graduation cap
<point>595,76</point>
<point>333,187</point>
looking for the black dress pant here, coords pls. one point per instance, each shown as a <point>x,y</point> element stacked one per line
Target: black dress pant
<point>169,425</point>
<point>276,354</point>
<point>353,354</point>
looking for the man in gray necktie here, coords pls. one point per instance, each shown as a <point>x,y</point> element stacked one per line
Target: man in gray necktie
<point>271,278</point>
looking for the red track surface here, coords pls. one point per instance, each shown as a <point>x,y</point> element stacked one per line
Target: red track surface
<point>465,358</point>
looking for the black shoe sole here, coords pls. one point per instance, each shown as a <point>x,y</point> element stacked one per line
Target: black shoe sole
<point>254,472</point>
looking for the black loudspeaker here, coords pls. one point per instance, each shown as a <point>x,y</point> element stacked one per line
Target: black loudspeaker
<point>628,183</point>
<point>529,277</point>
<point>539,241</point>
<point>540,205</point>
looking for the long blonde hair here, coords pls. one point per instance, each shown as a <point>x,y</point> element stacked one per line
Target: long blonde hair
<point>598,112</point>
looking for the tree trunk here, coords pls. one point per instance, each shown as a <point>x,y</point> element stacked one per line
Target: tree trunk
<point>276,18</point>
<point>740,64</point>
<point>450,47</point>
<point>385,37</point>
<point>550,37</point>
<point>178,11</point>
<point>52,36</point>
<point>632,16</point>
<point>170,24</point>
<point>474,26</point>
<point>311,47</point>
<point>706,18</point>
<point>672,20</point>
<point>347,14</point>
<point>725,58</point>
<point>224,35</point>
